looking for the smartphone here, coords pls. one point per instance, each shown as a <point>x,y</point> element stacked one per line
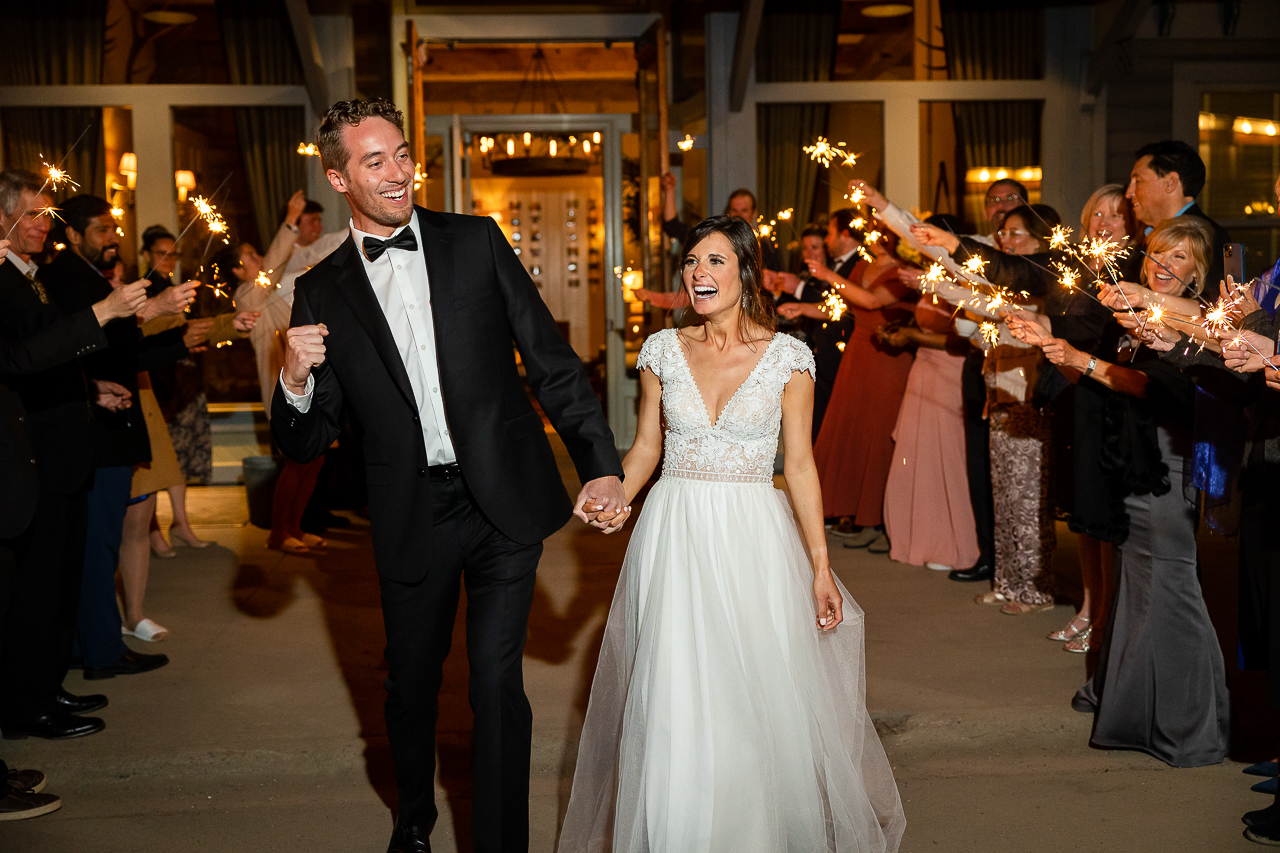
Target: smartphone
<point>1233,263</point>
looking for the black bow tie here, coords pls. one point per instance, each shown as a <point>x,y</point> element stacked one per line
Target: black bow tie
<point>373,247</point>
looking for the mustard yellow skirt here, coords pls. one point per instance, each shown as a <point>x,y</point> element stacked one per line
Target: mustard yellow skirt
<point>163,470</point>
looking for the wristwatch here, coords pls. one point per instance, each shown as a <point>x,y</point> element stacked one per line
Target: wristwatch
<point>1093,362</point>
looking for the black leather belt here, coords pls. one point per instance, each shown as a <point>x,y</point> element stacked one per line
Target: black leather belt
<point>444,472</point>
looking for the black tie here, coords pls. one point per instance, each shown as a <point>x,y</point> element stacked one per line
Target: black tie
<point>373,247</point>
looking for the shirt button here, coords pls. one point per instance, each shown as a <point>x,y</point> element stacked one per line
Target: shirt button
<point>435,390</point>
<point>410,307</point>
<point>424,346</point>
<point>446,432</point>
<point>422,472</point>
<point>399,267</point>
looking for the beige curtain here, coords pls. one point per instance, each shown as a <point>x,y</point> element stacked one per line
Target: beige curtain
<point>797,43</point>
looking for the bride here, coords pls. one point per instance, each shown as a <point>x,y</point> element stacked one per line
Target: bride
<point>728,709</point>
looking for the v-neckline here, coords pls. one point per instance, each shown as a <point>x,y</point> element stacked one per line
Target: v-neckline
<point>713,424</point>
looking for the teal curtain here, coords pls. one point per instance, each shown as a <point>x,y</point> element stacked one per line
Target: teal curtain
<point>797,43</point>
<point>269,139</point>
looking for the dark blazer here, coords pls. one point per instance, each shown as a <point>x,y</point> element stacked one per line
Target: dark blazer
<point>827,337</point>
<point>120,438</point>
<point>56,400</point>
<point>482,301</point>
<point>38,352</point>
<point>1220,239</point>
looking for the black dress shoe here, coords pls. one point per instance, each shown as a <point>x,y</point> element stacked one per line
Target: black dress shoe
<point>410,839</point>
<point>56,725</point>
<point>73,704</point>
<point>130,663</point>
<point>980,572</point>
<point>1270,814</point>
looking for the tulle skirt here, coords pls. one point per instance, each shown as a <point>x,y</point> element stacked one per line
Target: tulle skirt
<point>720,719</point>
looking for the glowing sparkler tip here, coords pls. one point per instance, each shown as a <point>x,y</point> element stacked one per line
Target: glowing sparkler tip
<point>990,333</point>
<point>975,265</point>
<point>1059,237</point>
<point>823,151</point>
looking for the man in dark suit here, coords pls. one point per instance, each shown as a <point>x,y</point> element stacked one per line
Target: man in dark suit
<point>410,323</point>
<point>46,547</point>
<point>1164,183</point>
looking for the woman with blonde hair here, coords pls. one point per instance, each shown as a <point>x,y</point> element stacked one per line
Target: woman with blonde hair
<point>1160,686</point>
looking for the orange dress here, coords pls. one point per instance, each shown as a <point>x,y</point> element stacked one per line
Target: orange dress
<point>855,446</point>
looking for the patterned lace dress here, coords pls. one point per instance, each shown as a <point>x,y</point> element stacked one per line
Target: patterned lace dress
<point>720,719</point>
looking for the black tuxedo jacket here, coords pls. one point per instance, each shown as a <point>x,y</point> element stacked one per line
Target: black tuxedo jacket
<point>120,438</point>
<point>58,417</point>
<point>482,301</point>
<point>828,337</point>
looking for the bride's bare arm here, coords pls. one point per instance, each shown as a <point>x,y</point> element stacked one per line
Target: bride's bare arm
<point>806,494</point>
<point>645,452</point>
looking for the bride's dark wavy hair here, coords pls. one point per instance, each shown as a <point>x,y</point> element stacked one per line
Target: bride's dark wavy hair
<point>757,303</point>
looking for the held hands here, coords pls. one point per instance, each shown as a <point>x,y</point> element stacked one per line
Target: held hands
<point>111,396</point>
<point>602,504</point>
<point>303,350</point>
<point>829,605</point>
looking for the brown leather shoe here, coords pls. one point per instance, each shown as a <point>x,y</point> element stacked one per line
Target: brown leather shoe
<point>22,806</point>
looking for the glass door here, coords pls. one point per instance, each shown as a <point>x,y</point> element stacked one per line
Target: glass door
<point>554,185</point>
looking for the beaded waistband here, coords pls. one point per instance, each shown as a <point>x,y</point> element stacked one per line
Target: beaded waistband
<point>717,476</point>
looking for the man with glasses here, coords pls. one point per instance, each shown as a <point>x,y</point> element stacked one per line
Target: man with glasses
<point>1002,196</point>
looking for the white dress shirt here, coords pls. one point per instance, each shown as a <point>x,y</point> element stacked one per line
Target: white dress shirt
<point>399,280</point>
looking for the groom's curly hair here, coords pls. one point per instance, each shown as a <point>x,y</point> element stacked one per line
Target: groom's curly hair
<point>343,114</point>
<point>757,303</point>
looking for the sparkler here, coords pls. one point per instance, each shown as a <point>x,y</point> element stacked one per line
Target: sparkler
<point>823,151</point>
<point>54,176</point>
<point>205,212</point>
<point>990,334</point>
<point>834,305</point>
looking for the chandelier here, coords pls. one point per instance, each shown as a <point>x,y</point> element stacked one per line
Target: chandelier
<point>529,154</point>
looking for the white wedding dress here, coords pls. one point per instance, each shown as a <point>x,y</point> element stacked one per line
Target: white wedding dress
<point>720,718</point>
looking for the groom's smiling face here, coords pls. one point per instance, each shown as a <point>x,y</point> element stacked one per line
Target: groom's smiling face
<point>378,178</point>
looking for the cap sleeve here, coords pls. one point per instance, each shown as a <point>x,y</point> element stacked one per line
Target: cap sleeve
<point>798,359</point>
<point>652,352</point>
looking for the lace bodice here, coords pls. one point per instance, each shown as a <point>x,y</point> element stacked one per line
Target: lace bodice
<point>741,444</point>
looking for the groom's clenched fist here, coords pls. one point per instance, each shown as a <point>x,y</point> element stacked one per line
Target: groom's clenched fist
<point>303,350</point>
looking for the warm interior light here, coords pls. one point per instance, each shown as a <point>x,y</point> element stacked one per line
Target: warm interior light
<point>595,137</point>
<point>886,10</point>
<point>984,175</point>
<point>551,147</point>
<point>129,168</point>
<point>1245,127</point>
<point>184,180</point>
<point>528,139</point>
<point>1001,174</point>
<point>586,146</point>
<point>511,148</point>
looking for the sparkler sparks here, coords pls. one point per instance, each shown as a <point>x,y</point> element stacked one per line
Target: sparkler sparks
<point>55,177</point>
<point>834,305</point>
<point>785,215</point>
<point>1058,239</point>
<point>975,265</point>
<point>857,196</point>
<point>308,149</point>
<point>990,334</point>
<point>823,151</point>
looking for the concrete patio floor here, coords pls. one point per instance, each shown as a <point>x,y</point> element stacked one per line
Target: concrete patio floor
<point>265,733</point>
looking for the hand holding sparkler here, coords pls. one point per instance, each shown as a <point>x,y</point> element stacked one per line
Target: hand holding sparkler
<point>197,333</point>
<point>1059,352</point>
<point>1029,331</point>
<point>821,271</point>
<point>1123,295</point>
<point>1244,352</point>
<point>932,235</point>
<point>124,301</point>
<point>293,212</point>
<point>246,320</point>
<point>792,310</point>
<point>864,192</point>
<point>1238,298</point>
<point>171,300</point>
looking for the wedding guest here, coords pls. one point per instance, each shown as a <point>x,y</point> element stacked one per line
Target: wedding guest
<point>178,390</point>
<point>927,514</point>
<point>239,268</point>
<point>829,337</point>
<point>855,445</point>
<point>1024,532</point>
<point>1160,686</point>
<point>75,279</point>
<point>1002,196</point>
<point>741,204</point>
<point>300,243</point>
<point>802,288</point>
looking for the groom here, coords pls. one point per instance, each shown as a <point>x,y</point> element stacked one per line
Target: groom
<point>411,323</point>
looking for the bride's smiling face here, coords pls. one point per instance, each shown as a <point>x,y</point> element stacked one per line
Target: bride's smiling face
<point>711,276</point>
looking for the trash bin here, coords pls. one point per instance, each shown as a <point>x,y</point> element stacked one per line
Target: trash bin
<point>260,475</point>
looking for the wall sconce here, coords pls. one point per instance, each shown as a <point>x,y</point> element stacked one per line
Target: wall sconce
<point>129,168</point>
<point>185,181</point>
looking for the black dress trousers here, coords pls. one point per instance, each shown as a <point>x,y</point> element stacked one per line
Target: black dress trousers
<point>977,443</point>
<point>499,575</point>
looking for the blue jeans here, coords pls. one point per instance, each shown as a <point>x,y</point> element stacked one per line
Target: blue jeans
<point>99,632</point>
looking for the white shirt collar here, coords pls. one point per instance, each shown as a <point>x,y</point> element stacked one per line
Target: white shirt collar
<point>359,235</point>
<point>27,268</point>
<point>839,262</point>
